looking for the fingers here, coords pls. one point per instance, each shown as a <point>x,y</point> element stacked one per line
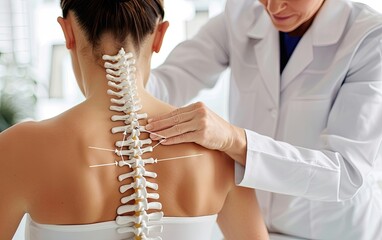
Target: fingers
<point>177,112</point>
<point>175,130</point>
<point>183,138</point>
<point>171,121</point>
<point>175,117</point>
<point>182,125</point>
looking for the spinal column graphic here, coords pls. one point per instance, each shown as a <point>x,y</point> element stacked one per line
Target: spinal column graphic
<point>120,71</point>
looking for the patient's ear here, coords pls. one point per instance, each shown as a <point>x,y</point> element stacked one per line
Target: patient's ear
<point>68,32</point>
<point>159,35</point>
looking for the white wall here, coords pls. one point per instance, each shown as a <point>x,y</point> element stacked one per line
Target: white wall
<point>372,3</point>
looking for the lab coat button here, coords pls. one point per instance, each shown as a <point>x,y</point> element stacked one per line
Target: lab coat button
<point>273,112</point>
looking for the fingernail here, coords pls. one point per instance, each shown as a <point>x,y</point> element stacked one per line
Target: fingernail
<point>149,120</point>
<point>149,127</point>
<point>153,137</point>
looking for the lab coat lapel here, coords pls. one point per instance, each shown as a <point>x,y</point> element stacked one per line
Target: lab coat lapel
<point>266,50</point>
<point>320,34</point>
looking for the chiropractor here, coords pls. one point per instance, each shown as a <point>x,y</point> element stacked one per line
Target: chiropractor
<point>305,109</point>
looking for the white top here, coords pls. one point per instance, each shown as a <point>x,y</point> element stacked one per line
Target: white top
<point>174,228</point>
<point>314,133</point>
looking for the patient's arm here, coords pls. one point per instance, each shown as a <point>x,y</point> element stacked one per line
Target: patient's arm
<point>240,217</point>
<point>11,215</point>
<point>11,204</point>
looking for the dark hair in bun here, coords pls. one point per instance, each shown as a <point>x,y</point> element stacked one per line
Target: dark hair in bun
<point>120,18</point>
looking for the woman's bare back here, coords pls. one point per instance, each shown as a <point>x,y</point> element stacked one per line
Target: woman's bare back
<point>64,189</point>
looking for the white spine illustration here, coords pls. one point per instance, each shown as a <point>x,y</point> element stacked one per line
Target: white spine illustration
<point>132,214</point>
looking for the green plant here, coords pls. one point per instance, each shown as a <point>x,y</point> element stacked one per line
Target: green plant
<point>17,93</point>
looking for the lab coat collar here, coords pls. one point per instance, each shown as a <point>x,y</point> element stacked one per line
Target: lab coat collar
<point>262,24</point>
<point>323,34</point>
<point>267,53</point>
<point>332,12</point>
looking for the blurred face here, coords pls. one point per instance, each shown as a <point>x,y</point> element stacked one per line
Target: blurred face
<point>289,15</point>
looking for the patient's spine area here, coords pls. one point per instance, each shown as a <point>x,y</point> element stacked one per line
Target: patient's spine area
<point>132,218</point>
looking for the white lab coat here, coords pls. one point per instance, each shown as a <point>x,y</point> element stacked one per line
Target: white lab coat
<point>314,133</point>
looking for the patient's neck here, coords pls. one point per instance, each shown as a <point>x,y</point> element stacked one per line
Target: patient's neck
<point>96,85</point>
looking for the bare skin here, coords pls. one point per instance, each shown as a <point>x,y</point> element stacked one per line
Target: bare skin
<point>45,165</point>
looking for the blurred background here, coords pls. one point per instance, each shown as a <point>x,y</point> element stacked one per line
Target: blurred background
<point>36,79</point>
<point>32,51</point>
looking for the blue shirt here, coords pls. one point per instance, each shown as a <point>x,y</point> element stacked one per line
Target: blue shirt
<point>287,45</point>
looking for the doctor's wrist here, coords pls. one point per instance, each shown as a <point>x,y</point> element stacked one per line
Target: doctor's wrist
<point>236,145</point>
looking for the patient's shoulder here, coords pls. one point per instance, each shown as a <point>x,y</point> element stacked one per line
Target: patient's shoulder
<point>26,134</point>
<point>16,157</point>
<point>22,146</point>
<point>13,137</point>
<point>193,158</point>
<point>199,178</point>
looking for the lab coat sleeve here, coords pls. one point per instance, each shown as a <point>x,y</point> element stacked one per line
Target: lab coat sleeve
<point>193,65</point>
<point>352,140</point>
